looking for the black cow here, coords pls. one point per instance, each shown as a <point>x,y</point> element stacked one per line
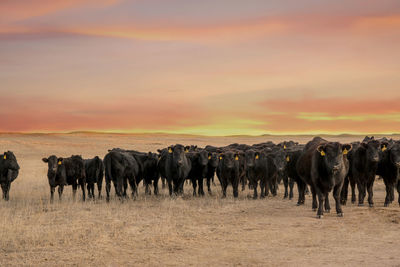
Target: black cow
<point>66,171</point>
<point>389,169</point>
<point>292,156</point>
<point>211,168</point>
<point>9,170</point>
<point>276,162</point>
<point>175,166</point>
<point>323,165</point>
<point>349,179</point>
<point>148,170</point>
<point>121,168</point>
<point>94,169</point>
<point>257,170</point>
<point>228,171</point>
<point>365,161</point>
<point>198,171</point>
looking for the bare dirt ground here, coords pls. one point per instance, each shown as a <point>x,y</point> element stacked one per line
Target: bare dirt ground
<point>185,231</point>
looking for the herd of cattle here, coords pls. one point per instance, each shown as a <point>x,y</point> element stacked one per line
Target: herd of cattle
<point>320,165</point>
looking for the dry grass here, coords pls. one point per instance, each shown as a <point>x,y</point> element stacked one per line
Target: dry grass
<point>183,231</point>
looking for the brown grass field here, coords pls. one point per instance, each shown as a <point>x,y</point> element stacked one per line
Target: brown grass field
<point>188,231</point>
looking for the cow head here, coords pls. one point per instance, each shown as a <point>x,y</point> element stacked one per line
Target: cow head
<point>9,161</point>
<point>53,164</point>
<point>279,159</point>
<point>228,159</point>
<point>213,160</point>
<point>203,157</point>
<point>251,156</point>
<point>178,154</point>
<point>373,150</point>
<point>332,154</point>
<point>394,154</point>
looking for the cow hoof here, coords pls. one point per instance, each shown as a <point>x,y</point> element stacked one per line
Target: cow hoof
<point>314,209</point>
<point>327,211</point>
<point>361,204</point>
<point>353,202</point>
<point>371,205</point>
<point>386,205</point>
<point>320,216</point>
<point>340,214</point>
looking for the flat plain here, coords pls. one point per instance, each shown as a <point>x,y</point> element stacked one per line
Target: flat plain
<point>185,231</point>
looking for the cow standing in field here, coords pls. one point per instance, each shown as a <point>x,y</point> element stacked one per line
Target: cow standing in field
<point>66,171</point>
<point>94,170</point>
<point>228,171</point>
<point>323,165</point>
<point>175,167</point>
<point>121,168</point>
<point>211,168</point>
<point>365,159</point>
<point>9,170</point>
<point>198,171</point>
<point>389,169</point>
<point>257,170</point>
<point>292,157</point>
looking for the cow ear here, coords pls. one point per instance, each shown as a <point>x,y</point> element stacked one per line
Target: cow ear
<point>170,149</point>
<point>236,156</point>
<point>321,150</point>
<point>45,160</point>
<point>346,148</point>
<point>159,150</point>
<point>60,159</point>
<point>221,156</point>
<point>364,145</point>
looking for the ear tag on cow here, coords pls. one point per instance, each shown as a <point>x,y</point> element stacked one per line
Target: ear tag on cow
<point>209,157</point>
<point>287,158</point>
<point>220,158</point>
<point>169,150</point>
<point>322,153</point>
<point>236,158</point>
<point>284,146</point>
<point>345,151</point>
<point>384,148</point>
<point>59,163</point>
<point>186,150</point>
<point>257,156</point>
<point>5,157</point>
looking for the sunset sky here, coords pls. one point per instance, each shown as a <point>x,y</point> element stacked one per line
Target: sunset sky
<point>213,67</point>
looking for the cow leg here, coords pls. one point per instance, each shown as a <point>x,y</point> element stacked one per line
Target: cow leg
<point>336,195</point>
<point>163,182</point>
<point>60,191</point>
<point>391,192</point>
<point>301,189</point>
<point>262,188</point>
<point>88,190</point>
<point>255,184</point>
<point>243,180</point>
<point>201,186</point>
<point>267,188</point>
<point>74,188</point>
<point>83,190</point>
<point>235,187</point>
<point>345,192</point>
<point>147,190</point>
<point>170,188</point>
<point>286,184</point>
<point>370,187</point>
<point>314,198</point>
<point>52,189</point>
<point>291,185</point>
<point>387,198</point>
<point>321,200</point>
<point>327,205</point>
<point>194,184</point>
<point>133,185</point>
<point>108,188</point>
<point>398,190</point>
<point>353,191</point>
<point>224,186</point>
<point>209,185</point>
<point>99,185</point>
<point>361,193</point>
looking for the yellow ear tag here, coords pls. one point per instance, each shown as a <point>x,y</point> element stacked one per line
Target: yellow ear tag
<point>236,158</point>
<point>287,159</point>
<point>186,150</point>
<point>384,148</point>
<point>322,153</point>
<point>257,157</point>
<point>209,157</point>
<point>169,150</point>
<point>345,151</point>
<point>59,163</point>
<point>220,158</point>
<point>5,157</point>
<point>284,146</point>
